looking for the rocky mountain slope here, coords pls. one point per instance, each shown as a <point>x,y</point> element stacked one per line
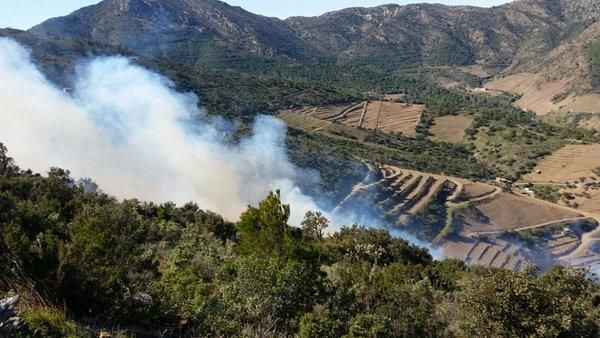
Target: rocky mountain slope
<point>508,35</point>
<point>544,42</point>
<point>180,29</point>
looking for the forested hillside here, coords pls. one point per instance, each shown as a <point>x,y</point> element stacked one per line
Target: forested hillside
<point>255,63</point>
<point>85,264</point>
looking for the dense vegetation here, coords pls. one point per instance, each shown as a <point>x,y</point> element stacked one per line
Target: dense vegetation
<point>85,262</point>
<point>418,154</point>
<point>546,192</point>
<point>593,55</point>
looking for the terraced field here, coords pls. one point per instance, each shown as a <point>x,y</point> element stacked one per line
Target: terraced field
<point>560,243</point>
<point>472,190</point>
<point>489,227</point>
<point>539,94</point>
<point>512,251</point>
<point>384,116</point>
<point>396,192</point>
<point>556,243</point>
<point>505,230</point>
<point>586,255</point>
<point>311,124</point>
<point>492,253</point>
<point>508,212</point>
<point>303,122</point>
<point>450,128</point>
<point>568,164</point>
<point>570,170</point>
<point>482,225</point>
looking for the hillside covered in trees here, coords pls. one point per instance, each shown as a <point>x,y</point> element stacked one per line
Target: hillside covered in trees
<point>83,263</point>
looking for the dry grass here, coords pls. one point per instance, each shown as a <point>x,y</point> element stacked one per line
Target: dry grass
<point>567,164</point>
<point>384,116</point>
<point>38,312</point>
<point>450,128</point>
<point>509,212</point>
<point>303,122</point>
<point>589,103</point>
<point>591,204</point>
<point>476,70</point>
<point>538,94</point>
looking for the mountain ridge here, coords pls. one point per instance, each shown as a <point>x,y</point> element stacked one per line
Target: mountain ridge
<point>524,36</point>
<point>193,31</point>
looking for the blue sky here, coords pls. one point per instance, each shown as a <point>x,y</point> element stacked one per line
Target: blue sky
<point>25,13</point>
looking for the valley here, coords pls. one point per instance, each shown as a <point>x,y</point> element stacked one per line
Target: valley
<point>481,223</point>
<point>305,176</point>
<point>445,119</point>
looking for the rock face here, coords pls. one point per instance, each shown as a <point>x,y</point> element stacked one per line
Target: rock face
<point>9,322</point>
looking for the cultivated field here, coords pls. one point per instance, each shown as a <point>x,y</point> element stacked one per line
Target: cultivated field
<point>570,171</point>
<point>536,93</point>
<point>539,95</point>
<point>303,122</point>
<point>384,116</point>
<point>396,192</point>
<point>589,103</point>
<point>568,164</point>
<point>548,245</point>
<point>481,224</point>
<point>450,128</point>
<point>476,70</point>
<point>484,224</point>
<point>509,212</point>
<point>473,190</point>
<point>490,232</point>
<point>492,252</point>
<point>590,202</point>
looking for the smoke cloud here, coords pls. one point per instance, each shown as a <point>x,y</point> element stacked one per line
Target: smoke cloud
<point>137,137</point>
<point>130,131</point>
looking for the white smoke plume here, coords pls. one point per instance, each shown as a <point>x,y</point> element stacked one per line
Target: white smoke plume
<point>137,137</point>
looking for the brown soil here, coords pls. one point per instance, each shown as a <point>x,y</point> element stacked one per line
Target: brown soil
<point>450,128</point>
<point>567,164</point>
<point>509,212</point>
<point>497,253</point>
<point>384,116</point>
<point>539,95</point>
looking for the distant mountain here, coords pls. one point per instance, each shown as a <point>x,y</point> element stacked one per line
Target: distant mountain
<point>547,38</point>
<point>185,30</point>
<point>421,33</point>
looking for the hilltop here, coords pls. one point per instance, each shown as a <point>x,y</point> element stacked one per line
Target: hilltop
<point>545,43</point>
